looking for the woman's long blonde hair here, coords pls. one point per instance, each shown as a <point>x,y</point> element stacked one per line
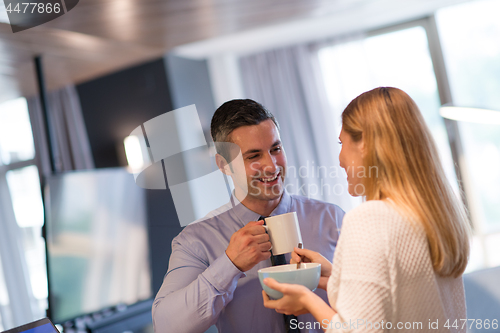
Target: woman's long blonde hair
<point>398,143</point>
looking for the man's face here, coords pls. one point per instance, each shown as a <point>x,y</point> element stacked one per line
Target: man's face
<point>264,162</point>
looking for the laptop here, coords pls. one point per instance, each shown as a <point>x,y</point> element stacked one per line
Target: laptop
<point>40,326</point>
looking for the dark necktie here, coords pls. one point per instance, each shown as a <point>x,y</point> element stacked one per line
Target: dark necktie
<point>276,261</point>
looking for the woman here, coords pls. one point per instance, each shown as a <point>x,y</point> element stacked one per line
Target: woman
<point>401,254</point>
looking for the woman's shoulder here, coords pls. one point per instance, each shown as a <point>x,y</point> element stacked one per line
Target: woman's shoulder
<point>381,217</point>
<point>376,214</point>
<point>373,209</point>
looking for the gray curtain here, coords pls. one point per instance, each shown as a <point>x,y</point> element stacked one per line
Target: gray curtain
<point>70,144</point>
<point>288,83</point>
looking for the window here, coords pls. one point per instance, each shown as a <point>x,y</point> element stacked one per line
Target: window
<point>22,218</point>
<point>4,299</point>
<point>397,59</point>
<point>401,57</point>
<point>470,40</point>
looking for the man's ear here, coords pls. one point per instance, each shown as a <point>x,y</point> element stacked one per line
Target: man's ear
<point>223,165</point>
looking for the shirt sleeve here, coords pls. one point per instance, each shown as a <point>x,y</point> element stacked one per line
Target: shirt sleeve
<point>363,301</point>
<point>193,292</point>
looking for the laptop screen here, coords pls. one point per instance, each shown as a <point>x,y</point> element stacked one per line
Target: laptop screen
<point>39,326</point>
<point>45,328</point>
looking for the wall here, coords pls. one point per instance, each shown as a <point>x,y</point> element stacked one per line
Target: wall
<point>116,104</point>
<point>112,107</point>
<point>190,83</point>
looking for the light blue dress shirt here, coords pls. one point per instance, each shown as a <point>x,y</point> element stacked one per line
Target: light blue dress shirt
<point>202,286</point>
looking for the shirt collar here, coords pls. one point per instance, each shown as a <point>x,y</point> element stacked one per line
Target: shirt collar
<point>285,204</point>
<point>246,215</point>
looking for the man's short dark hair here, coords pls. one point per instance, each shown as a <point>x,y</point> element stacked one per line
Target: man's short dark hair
<point>236,113</point>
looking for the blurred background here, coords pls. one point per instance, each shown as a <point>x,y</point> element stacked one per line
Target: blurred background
<point>111,65</point>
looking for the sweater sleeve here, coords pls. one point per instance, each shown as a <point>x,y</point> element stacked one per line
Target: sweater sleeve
<point>363,288</point>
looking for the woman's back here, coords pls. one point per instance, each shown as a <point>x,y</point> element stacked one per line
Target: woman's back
<point>383,272</point>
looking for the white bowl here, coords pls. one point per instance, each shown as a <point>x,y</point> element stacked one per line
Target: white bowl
<point>308,275</point>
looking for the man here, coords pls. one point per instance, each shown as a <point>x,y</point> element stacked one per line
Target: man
<point>212,275</point>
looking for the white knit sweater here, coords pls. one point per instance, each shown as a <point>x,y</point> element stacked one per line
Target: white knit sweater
<point>382,272</point>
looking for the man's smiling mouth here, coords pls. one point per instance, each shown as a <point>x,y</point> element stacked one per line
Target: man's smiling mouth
<point>269,179</point>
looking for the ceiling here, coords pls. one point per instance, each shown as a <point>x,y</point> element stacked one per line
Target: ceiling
<point>102,36</point>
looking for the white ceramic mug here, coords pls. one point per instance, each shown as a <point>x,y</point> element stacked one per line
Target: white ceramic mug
<point>284,232</point>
